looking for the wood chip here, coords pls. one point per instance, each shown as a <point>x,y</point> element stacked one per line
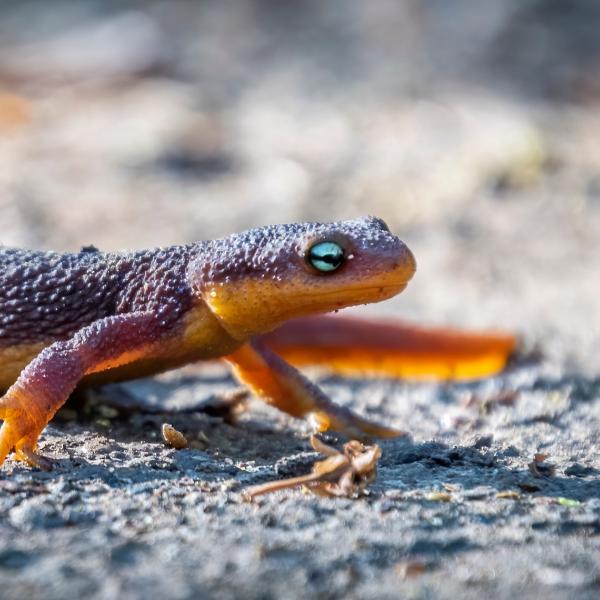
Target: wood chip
<point>173,438</point>
<point>439,497</point>
<point>411,568</point>
<point>539,468</point>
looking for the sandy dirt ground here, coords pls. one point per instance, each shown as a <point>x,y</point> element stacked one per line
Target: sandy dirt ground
<point>473,130</point>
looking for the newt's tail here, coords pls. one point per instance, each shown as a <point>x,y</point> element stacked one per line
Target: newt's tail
<point>353,346</point>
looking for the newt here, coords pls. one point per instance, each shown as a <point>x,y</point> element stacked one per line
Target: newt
<point>92,317</point>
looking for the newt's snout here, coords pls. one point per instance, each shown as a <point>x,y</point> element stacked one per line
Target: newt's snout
<point>379,264</point>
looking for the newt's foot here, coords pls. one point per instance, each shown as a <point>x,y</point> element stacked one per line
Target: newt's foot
<point>14,438</point>
<point>37,461</point>
<point>345,421</point>
<point>20,433</point>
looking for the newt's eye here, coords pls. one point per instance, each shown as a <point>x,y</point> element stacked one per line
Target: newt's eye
<point>326,256</point>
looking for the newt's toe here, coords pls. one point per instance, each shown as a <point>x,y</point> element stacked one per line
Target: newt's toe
<point>19,432</point>
<point>15,435</point>
<point>350,424</point>
<point>33,459</point>
<point>9,436</point>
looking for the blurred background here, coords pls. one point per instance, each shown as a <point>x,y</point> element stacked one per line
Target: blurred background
<point>472,128</point>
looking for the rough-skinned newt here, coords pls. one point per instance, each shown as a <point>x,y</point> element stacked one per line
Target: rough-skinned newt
<point>91,317</point>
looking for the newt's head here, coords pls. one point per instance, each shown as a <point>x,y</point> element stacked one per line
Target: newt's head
<point>255,280</point>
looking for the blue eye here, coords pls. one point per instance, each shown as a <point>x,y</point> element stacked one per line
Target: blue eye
<point>326,256</point>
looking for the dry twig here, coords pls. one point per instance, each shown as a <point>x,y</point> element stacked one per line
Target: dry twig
<point>344,473</point>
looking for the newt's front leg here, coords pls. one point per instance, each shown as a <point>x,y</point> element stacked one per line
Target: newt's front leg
<point>46,383</point>
<point>282,385</point>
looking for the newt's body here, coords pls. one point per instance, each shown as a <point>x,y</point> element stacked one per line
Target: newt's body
<point>68,318</point>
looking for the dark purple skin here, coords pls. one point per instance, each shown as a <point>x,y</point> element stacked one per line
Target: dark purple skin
<point>45,296</point>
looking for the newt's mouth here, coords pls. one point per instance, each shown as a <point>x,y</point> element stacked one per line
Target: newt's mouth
<point>370,292</point>
<point>318,301</point>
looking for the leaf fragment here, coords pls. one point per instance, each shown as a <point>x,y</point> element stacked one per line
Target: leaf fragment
<point>570,502</point>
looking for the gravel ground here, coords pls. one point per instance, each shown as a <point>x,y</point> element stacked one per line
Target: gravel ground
<point>487,167</point>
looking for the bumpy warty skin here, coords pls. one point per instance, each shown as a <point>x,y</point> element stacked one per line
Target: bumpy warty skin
<point>271,252</point>
<point>46,296</point>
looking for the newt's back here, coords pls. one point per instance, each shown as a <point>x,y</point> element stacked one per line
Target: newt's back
<point>46,296</point>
